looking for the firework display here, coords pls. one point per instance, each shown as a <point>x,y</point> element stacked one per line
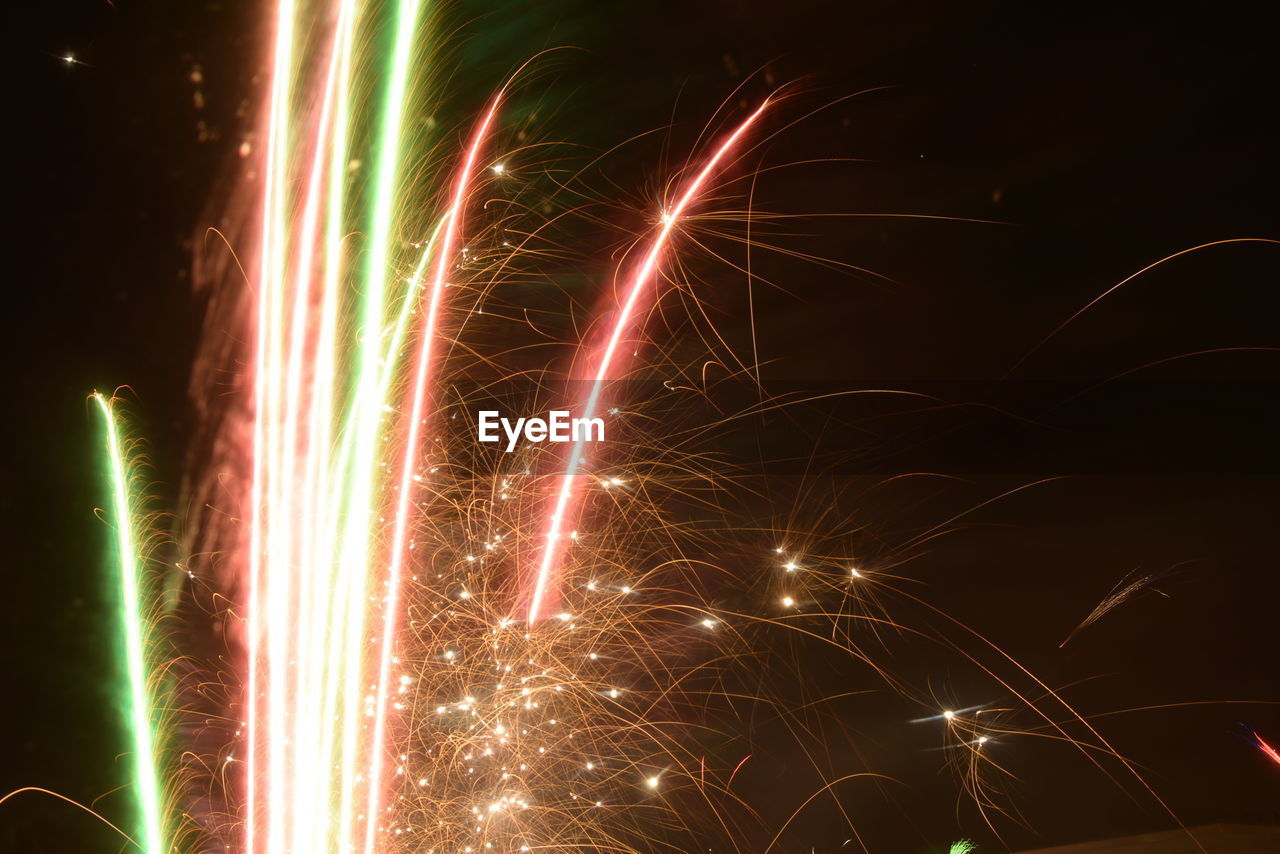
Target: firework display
<point>345,488</point>
<point>642,613</point>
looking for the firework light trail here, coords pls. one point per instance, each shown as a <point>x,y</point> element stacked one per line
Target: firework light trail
<point>140,711</point>
<point>324,577</point>
<point>410,466</point>
<point>424,669</point>
<point>1267,750</point>
<point>370,700</point>
<point>604,366</point>
<point>312,533</point>
<point>320,659</point>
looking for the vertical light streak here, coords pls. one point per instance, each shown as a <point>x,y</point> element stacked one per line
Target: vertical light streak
<point>308,761</point>
<point>409,463</point>
<point>321,639</point>
<point>360,509</point>
<point>314,540</point>
<point>277,450</point>
<point>551,547</point>
<point>135,631</point>
<point>271,267</point>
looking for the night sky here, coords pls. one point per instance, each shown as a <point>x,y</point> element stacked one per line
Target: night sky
<point>1057,149</point>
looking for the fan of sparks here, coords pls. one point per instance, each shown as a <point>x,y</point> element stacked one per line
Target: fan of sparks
<point>432,660</point>
<point>446,648</point>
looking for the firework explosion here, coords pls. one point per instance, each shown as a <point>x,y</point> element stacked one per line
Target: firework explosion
<point>350,476</point>
<point>441,647</point>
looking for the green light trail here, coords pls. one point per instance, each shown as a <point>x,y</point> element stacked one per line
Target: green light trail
<point>130,567</point>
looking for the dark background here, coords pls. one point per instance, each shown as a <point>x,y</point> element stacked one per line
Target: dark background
<point>1103,137</point>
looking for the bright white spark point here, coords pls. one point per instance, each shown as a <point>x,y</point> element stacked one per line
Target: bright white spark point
<point>854,572</point>
<point>652,782</point>
<point>710,624</point>
<point>948,714</point>
<point>982,739</point>
<point>787,601</point>
<point>791,567</point>
<point>499,168</point>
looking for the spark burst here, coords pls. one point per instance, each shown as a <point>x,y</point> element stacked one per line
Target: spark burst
<point>343,468</point>
<point>430,666</point>
<point>446,655</point>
